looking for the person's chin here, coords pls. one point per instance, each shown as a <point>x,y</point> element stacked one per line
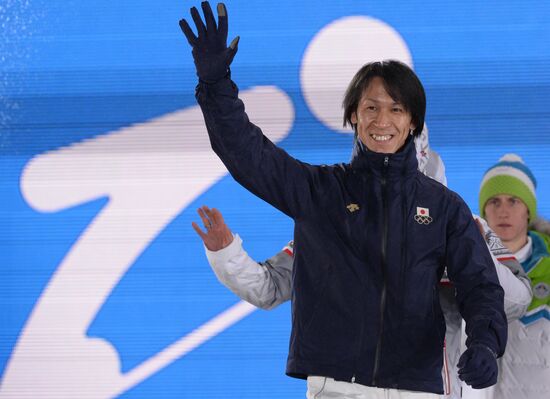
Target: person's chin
<point>385,147</point>
<point>505,234</point>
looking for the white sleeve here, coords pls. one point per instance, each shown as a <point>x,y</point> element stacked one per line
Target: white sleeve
<point>435,168</point>
<point>517,291</point>
<point>265,285</point>
<point>512,277</point>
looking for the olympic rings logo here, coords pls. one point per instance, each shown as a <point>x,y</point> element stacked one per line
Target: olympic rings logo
<point>421,219</point>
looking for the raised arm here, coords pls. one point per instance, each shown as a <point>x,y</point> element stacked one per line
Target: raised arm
<point>265,285</point>
<point>251,158</point>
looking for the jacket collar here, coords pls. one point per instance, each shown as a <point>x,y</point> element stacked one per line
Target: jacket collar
<point>401,163</point>
<point>539,250</point>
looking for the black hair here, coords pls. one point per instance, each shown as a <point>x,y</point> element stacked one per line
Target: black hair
<point>400,82</point>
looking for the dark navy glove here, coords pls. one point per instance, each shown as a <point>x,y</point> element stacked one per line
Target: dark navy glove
<point>477,367</point>
<point>210,52</point>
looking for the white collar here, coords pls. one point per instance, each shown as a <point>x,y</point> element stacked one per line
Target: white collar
<point>525,252</point>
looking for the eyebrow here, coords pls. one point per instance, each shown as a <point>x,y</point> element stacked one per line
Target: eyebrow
<point>376,101</point>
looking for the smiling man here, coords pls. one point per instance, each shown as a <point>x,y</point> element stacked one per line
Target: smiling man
<point>381,120</point>
<point>371,240</point>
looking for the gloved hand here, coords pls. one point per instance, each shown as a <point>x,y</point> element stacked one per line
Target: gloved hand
<point>477,367</point>
<point>210,52</point>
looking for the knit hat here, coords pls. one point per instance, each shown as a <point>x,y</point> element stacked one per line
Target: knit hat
<point>512,177</point>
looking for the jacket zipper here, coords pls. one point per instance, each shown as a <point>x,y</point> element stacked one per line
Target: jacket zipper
<point>384,267</point>
<point>362,328</point>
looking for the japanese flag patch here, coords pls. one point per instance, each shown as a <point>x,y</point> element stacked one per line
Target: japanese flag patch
<point>423,215</point>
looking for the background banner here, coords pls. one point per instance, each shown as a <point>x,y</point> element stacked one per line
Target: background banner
<point>105,290</point>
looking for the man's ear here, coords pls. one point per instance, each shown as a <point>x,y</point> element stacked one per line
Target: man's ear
<point>354,118</point>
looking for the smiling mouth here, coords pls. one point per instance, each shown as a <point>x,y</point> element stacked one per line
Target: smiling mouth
<point>504,225</point>
<point>377,137</point>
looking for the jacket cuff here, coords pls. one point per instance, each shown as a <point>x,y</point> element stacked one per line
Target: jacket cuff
<point>225,254</point>
<point>490,341</point>
<point>485,347</point>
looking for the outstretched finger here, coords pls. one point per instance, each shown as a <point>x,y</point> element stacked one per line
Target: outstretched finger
<point>217,217</point>
<point>208,17</point>
<point>233,47</point>
<point>209,215</point>
<point>201,29</point>
<point>206,210</point>
<point>204,218</point>
<point>202,235</point>
<point>222,21</point>
<point>188,32</point>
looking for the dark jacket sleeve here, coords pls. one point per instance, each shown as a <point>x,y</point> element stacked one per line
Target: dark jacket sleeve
<point>251,158</point>
<point>471,269</point>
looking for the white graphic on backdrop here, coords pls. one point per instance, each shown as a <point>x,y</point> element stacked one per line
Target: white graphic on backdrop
<point>151,172</point>
<point>336,53</point>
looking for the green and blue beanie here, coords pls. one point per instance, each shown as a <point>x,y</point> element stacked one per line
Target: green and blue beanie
<point>509,176</point>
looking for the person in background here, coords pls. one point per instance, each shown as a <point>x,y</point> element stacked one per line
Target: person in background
<point>372,237</point>
<point>508,201</point>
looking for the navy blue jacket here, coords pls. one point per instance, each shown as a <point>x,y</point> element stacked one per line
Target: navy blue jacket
<point>368,258</point>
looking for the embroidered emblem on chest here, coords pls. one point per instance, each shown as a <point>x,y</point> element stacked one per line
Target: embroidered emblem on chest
<point>541,290</point>
<point>353,207</point>
<point>423,215</point>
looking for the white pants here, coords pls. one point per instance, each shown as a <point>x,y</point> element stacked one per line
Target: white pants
<point>324,387</point>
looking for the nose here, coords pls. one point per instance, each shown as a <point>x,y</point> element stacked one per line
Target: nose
<point>503,211</point>
<point>382,119</point>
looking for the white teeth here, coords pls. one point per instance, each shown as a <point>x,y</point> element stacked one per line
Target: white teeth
<point>381,138</point>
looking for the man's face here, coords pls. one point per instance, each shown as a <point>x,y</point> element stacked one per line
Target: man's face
<point>382,124</point>
<point>508,216</point>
